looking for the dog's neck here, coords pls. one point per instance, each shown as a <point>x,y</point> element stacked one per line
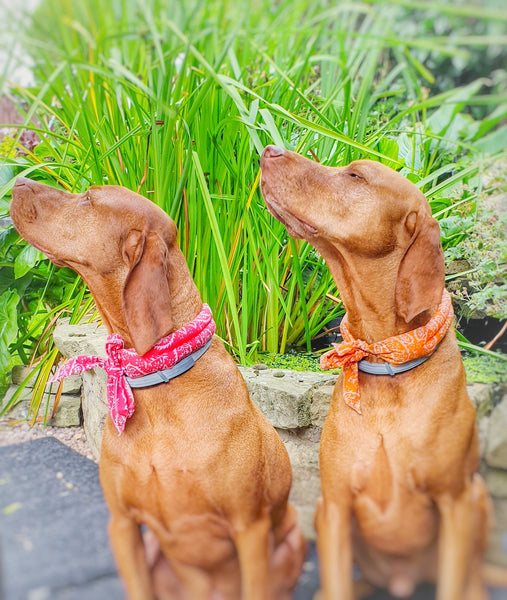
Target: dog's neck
<point>185,302</point>
<point>367,289</point>
<point>185,299</point>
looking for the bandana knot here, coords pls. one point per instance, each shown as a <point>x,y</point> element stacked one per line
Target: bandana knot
<point>396,350</point>
<point>121,362</point>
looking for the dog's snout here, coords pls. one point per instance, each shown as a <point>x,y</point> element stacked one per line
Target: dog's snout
<point>21,181</point>
<point>273,151</point>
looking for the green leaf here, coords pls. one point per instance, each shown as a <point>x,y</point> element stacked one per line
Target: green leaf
<point>389,148</point>
<point>220,249</point>
<point>6,173</point>
<point>8,237</point>
<point>454,226</point>
<point>440,121</point>
<point>493,142</point>
<point>26,260</point>
<point>8,327</point>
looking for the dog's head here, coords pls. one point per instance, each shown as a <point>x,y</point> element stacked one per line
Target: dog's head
<point>364,210</point>
<point>119,242</point>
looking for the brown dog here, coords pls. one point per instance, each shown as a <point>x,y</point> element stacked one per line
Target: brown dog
<point>197,463</point>
<point>401,495</point>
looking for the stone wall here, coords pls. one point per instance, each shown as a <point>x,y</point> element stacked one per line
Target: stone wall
<point>296,404</point>
<point>68,410</point>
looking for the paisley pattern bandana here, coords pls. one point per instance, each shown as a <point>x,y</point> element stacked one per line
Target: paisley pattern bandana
<point>396,350</point>
<point>121,362</point>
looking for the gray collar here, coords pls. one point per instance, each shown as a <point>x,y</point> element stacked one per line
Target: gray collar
<point>386,368</point>
<point>184,365</point>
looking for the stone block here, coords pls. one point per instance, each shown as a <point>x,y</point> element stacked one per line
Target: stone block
<point>20,411</point>
<point>85,338</point>
<point>497,547</point>
<point>500,512</point>
<point>95,411</point>
<point>496,450</point>
<point>303,449</point>
<point>319,408</point>
<point>284,396</point>
<point>481,395</point>
<point>482,434</point>
<point>12,389</point>
<point>71,385</point>
<point>19,373</point>
<point>496,482</point>
<point>68,412</point>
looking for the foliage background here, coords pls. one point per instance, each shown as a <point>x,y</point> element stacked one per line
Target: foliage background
<point>176,100</point>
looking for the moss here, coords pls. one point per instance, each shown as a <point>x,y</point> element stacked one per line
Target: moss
<point>7,147</point>
<point>297,361</point>
<point>482,368</point>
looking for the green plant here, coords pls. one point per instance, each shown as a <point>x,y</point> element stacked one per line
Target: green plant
<point>33,295</point>
<point>176,101</point>
<point>479,260</point>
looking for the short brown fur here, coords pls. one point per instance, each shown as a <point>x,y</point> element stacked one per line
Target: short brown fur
<point>198,463</point>
<point>400,491</point>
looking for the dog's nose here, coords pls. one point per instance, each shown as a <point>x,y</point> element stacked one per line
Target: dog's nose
<point>22,181</point>
<point>273,151</point>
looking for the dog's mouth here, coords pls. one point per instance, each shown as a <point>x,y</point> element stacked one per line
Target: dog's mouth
<point>24,213</point>
<point>272,164</point>
<point>297,227</point>
<point>23,210</point>
<point>36,244</point>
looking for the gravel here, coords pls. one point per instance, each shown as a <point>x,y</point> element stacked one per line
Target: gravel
<point>74,437</point>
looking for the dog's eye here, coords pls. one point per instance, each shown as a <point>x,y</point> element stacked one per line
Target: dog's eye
<point>85,200</point>
<point>354,175</point>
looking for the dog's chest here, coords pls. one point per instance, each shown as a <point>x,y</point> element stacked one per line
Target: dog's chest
<point>176,501</point>
<point>394,461</point>
<point>167,479</point>
<point>391,503</point>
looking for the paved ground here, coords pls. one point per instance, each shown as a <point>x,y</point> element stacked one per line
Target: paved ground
<point>53,525</point>
<point>53,537</point>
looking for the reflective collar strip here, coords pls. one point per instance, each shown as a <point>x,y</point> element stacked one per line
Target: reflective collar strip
<point>166,375</point>
<point>387,369</point>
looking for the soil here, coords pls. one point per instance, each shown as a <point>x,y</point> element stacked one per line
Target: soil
<point>74,437</point>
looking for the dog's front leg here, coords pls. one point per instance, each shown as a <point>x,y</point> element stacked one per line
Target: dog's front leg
<point>255,546</point>
<point>334,546</point>
<point>128,548</point>
<point>455,543</point>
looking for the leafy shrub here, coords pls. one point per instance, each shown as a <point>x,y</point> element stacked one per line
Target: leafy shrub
<point>480,283</point>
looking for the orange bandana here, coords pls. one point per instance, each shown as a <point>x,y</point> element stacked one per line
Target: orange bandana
<point>396,350</point>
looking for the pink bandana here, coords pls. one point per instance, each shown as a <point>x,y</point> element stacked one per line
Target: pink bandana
<point>123,361</point>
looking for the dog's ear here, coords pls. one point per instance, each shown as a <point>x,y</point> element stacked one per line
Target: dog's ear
<point>146,297</point>
<point>421,273</point>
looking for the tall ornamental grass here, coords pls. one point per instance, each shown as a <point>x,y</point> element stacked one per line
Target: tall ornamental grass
<point>175,100</point>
